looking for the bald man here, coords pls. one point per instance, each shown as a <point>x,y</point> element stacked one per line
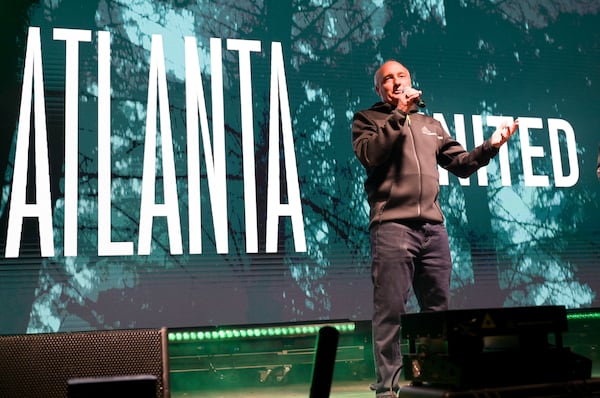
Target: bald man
<point>400,150</point>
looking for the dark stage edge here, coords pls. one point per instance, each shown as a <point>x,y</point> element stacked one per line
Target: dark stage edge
<point>343,389</point>
<point>360,389</point>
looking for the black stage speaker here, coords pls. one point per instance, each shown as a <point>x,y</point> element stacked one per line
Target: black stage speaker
<point>490,348</point>
<point>43,365</point>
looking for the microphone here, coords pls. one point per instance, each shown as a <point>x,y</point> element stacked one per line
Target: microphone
<point>419,101</point>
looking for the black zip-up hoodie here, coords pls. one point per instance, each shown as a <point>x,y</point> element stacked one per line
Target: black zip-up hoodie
<point>400,153</point>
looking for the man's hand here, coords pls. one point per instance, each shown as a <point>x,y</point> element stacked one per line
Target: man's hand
<point>407,98</point>
<point>503,133</point>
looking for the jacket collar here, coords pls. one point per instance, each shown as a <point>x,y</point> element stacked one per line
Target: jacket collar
<point>386,107</point>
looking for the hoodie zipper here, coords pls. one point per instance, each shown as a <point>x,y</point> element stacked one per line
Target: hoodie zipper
<point>414,148</point>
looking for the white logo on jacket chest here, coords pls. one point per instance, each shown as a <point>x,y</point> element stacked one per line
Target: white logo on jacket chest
<point>426,131</point>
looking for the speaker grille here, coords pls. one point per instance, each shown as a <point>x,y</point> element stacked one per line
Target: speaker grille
<point>39,365</point>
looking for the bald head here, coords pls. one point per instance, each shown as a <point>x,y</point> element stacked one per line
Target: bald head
<point>389,78</point>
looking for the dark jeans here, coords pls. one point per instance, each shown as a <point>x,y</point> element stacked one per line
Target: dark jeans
<point>404,256</point>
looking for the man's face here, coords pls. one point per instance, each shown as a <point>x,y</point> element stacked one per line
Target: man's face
<point>391,78</point>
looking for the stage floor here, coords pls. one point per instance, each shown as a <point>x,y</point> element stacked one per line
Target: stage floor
<point>345,389</point>
<point>222,373</point>
<point>360,389</point>
<point>339,389</point>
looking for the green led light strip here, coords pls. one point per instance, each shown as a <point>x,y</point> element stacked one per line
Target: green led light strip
<point>255,332</point>
<point>583,315</point>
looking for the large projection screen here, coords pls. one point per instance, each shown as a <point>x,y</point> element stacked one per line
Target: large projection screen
<point>184,163</point>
